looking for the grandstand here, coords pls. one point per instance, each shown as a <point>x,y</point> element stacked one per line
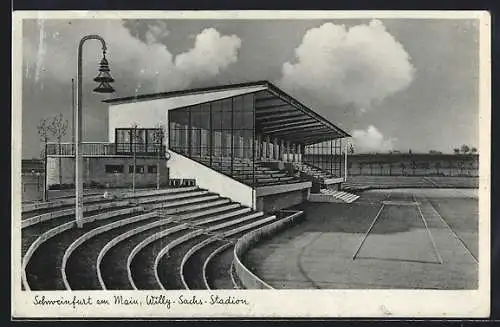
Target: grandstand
<point>246,147</point>
<point>251,139</point>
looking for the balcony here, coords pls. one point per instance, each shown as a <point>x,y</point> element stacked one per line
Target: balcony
<point>105,149</point>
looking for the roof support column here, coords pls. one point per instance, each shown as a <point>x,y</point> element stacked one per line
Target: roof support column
<point>268,147</point>
<point>275,149</point>
<point>210,136</point>
<point>280,151</point>
<point>232,136</point>
<point>258,148</point>
<point>287,151</point>
<point>190,135</point>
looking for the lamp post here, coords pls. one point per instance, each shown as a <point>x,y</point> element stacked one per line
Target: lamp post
<point>104,78</point>
<point>345,164</point>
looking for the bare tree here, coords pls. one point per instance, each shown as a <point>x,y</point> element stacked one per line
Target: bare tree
<point>158,136</point>
<point>58,128</point>
<point>456,150</point>
<point>43,130</point>
<point>464,148</point>
<point>473,150</point>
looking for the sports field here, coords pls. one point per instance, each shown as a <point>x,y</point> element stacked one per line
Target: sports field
<point>397,238</point>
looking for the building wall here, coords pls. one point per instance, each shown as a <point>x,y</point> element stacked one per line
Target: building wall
<point>274,202</point>
<point>183,167</point>
<point>94,171</point>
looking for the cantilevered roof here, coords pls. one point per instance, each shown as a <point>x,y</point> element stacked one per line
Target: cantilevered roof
<point>277,114</point>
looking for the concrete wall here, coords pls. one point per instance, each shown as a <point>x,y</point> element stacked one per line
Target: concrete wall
<point>274,202</point>
<point>247,278</point>
<point>94,171</point>
<point>183,167</point>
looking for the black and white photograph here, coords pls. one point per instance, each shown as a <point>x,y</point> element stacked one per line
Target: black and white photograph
<point>225,164</point>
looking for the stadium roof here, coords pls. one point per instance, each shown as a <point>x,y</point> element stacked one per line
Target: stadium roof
<point>277,114</point>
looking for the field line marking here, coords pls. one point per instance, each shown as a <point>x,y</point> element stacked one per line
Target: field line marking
<point>453,232</point>
<point>434,246</point>
<point>368,232</point>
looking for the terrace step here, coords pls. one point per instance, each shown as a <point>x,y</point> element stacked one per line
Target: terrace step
<point>179,205</point>
<point>141,263</point>
<point>80,266</point>
<point>114,262</point>
<point>33,209</point>
<point>43,269</point>
<point>30,233</point>
<point>170,268</point>
<point>191,208</point>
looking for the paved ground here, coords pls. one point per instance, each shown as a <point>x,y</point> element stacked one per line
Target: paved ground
<point>419,238</point>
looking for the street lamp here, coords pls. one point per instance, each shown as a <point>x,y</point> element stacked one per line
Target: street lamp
<point>104,79</point>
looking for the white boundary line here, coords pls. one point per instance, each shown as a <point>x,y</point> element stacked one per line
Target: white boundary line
<point>453,232</point>
<point>368,231</point>
<point>434,246</point>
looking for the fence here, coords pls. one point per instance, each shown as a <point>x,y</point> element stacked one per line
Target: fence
<point>106,149</point>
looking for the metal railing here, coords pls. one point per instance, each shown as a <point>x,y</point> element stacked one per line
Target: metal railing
<point>106,149</point>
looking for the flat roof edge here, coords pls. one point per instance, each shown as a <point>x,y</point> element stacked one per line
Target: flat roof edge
<point>151,96</point>
<point>270,86</point>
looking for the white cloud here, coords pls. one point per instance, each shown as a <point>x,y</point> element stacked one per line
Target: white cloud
<point>211,53</point>
<point>339,65</point>
<point>371,140</point>
<point>144,66</point>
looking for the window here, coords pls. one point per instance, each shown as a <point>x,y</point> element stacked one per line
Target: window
<point>140,140</point>
<point>139,169</point>
<point>152,169</point>
<point>113,169</point>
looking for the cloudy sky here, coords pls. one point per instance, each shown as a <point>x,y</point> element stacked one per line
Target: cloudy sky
<point>393,84</point>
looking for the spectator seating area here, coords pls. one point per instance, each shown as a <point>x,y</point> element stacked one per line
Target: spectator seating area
<point>174,238</point>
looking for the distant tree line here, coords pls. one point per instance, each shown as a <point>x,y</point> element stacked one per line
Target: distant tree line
<point>465,149</point>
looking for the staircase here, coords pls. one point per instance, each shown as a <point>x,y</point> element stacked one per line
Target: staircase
<point>317,174</point>
<point>340,195</point>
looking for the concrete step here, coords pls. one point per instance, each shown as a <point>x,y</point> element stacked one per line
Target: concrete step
<point>185,201</point>
<point>173,196</point>
<point>195,207</point>
<point>207,212</point>
<point>232,212</point>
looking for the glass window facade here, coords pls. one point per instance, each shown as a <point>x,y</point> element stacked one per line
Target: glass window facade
<point>218,134</point>
<point>326,156</point>
<point>142,141</point>
<point>222,134</point>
